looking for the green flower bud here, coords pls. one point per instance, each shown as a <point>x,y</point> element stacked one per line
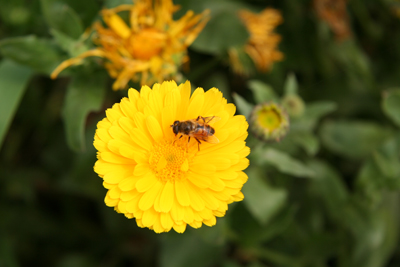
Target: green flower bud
<point>269,122</point>
<point>294,105</point>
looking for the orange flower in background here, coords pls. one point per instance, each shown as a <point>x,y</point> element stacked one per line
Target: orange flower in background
<point>150,49</point>
<point>163,181</point>
<point>334,12</point>
<point>263,41</point>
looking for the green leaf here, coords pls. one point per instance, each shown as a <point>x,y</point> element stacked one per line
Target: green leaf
<point>188,250</point>
<point>377,240</point>
<point>114,3</point>
<point>14,79</point>
<point>391,105</point>
<point>216,38</point>
<point>286,164</point>
<point>61,17</point>
<point>85,94</point>
<point>381,171</point>
<point>354,139</point>
<point>72,46</point>
<point>41,55</point>
<point>291,86</point>
<point>220,81</point>
<point>262,200</point>
<point>312,114</point>
<point>328,184</point>
<point>308,141</point>
<point>262,92</point>
<point>244,107</point>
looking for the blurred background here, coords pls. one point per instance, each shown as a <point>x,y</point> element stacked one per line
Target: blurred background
<point>326,194</point>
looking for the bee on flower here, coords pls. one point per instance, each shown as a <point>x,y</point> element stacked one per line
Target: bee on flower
<point>262,44</point>
<point>150,48</point>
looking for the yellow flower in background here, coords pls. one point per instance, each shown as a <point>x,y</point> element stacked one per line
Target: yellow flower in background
<point>334,12</point>
<point>150,49</point>
<point>164,181</point>
<point>262,44</point>
<point>269,122</point>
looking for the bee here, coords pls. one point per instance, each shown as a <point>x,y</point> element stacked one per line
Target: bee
<point>198,129</point>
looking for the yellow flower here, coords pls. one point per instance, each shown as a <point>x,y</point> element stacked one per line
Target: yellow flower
<point>269,121</point>
<point>160,180</point>
<point>150,50</point>
<point>262,43</point>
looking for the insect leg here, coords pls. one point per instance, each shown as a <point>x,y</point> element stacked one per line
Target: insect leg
<point>198,145</point>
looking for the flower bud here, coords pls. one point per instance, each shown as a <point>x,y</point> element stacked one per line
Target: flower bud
<point>269,122</point>
<point>294,105</point>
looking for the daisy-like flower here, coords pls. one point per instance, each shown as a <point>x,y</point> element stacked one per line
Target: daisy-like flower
<point>334,12</point>
<point>269,122</point>
<point>262,44</point>
<point>150,49</point>
<point>164,181</point>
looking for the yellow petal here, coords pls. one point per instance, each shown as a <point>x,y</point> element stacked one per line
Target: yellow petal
<point>117,24</point>
<point>181,193</point>
<point>149,217</point>
<point>196,202</point>
<point>210,222</point>
<point>196,224</point>
<point>166,221</point>
<point>217,184</point>
<point>145,183</point>
<point>114,192</point>
<point>141,139</point>
<point>128,195</point>
<point>128,183</point>
<point>132,205</point>
<point>115,177</point>
<point>226,175</point>
<point>177,211</point>
<point>180,228</point>
<point>141,169</point>
<point>128,108</point>
<point>167,197</point>
<point>210,201</point>
<point>154,128</point>
<point>196,104</point>
<point>113,158</point>
<point>148,198</point>
<point>188,216</point>
<point>200,181</point>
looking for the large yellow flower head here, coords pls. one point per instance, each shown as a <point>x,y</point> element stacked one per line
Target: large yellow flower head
<point>150,49</point>
<point>262,44</point>
<point>160,179</point>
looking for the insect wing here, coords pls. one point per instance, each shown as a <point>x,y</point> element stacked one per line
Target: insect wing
<point>211,119</point>
<point>212,139</point>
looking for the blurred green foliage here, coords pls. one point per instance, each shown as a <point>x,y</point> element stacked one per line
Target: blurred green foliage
<point>326,195</point>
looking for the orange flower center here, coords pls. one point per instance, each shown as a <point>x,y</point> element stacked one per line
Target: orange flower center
<point>169,162</point>
<point>147,43</point>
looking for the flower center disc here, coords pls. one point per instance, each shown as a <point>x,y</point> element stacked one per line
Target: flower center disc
<point>269,118</point>
<point>169,162</point>
<point>147,43</point>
